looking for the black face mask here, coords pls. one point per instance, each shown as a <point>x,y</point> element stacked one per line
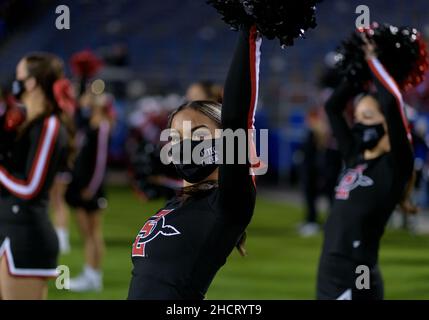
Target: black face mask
<point>368,136</point>
<point>18,89</point>
<point>195,170</point>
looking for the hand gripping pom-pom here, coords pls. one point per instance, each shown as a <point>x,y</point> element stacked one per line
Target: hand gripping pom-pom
<point>400,49</point>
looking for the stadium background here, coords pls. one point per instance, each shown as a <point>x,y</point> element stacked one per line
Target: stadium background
<point>152,51</point>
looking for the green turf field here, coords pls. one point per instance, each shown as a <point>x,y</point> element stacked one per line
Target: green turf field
<point>280,264</point>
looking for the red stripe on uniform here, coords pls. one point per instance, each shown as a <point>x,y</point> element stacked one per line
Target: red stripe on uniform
<point>13,184</point>
<point>254,84</point>
<point>254,64</point>
<point>390,84</point>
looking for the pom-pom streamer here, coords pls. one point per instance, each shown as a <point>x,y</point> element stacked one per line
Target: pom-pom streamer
<point>282,19</point>
<point>401,50</point>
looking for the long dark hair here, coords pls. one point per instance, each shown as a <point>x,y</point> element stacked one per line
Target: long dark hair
<point>212,110</point>
<point>47,69</point>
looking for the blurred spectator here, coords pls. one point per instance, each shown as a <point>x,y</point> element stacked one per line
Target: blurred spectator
<point>205,90</point>
<point>150,178</point>
<point>320,168</point>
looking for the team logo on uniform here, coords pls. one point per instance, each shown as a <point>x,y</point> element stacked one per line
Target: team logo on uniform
<point>152,228</point>
<point>352,179</point>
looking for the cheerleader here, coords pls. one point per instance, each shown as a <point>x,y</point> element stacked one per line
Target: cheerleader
<point>28,243</point>
<point>179,250</point>
<point>378,162</point>
<point>86,191</point>
<point>84,66</point>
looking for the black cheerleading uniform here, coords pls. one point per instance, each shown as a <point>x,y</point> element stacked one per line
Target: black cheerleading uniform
<point>90,167</point>
<point>367,194</point>
<point>27,238</point>
<point>180,249</point>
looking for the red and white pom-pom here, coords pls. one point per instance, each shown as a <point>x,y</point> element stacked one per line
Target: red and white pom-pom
<point>85,64</point>
<point>64,95</point>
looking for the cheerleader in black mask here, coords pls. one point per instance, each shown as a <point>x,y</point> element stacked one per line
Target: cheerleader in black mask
<point>28,243</point>
<point>378,168</point>
<point>179,250</point>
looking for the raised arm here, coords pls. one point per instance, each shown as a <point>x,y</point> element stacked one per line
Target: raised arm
<point>334,108</point>
<point>390,98</point>
<point>42,144</point>
<point>237,188</point>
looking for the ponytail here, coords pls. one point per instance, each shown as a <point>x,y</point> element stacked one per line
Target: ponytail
<point>64,96</point>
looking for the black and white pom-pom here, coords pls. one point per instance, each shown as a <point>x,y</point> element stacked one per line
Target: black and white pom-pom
<point>232,12</point>
<point>400,49</point>
<point>282,19</point>
<point>351,62</point>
